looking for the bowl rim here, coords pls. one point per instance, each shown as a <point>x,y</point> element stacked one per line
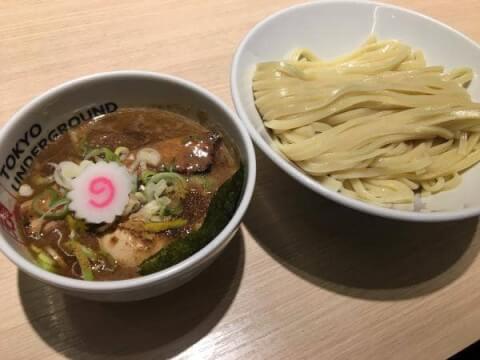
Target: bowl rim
<point>299,175</point>
<point>184,267</point>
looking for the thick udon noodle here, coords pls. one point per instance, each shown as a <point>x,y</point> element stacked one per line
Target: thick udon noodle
<point>377,124</point>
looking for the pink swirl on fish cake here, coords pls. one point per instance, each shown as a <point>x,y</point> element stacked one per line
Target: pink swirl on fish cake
<point>101,187</point>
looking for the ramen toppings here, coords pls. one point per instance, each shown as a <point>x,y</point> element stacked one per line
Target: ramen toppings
<point>100,192</point>
<point>128,194</point>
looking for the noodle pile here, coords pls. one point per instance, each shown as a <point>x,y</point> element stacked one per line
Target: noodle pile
<point>378,124</point>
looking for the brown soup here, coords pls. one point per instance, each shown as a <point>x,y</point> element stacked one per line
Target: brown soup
<point>175,165</point>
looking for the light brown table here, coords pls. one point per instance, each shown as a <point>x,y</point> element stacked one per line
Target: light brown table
<point>305,278</point>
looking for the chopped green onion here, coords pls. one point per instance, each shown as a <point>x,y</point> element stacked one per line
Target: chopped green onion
<point>175,208</point>
<point>169,177</point>
<point>76,226</point>
<point>82,258</point>
<point>54,254</point>
<point>91,254</point>
<point>166,225</point>
<point>122,152</point>
<point>43,259</point>
<point>176,181</point>
<point>148,156</point>
<point>154,191</point>
<point>58,210</point>
<point>140,196</point>
<point>103,154</point>
<point>146,176</point>
<point>49,205</point>
<point>220,211</point>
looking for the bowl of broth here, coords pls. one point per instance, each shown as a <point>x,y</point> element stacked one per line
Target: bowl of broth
<point>120,186</point>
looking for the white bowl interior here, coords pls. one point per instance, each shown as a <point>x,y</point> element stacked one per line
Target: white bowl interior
<point>332,28</point>
<point>63,107</point>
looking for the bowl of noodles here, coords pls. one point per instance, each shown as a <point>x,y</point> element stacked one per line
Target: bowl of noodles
<point>370,105</point>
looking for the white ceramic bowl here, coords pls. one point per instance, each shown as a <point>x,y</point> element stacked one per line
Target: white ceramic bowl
<point>331,28</point>
<point>44,115</point>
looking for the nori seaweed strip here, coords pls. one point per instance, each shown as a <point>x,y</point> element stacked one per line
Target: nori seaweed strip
<point>222,207</point>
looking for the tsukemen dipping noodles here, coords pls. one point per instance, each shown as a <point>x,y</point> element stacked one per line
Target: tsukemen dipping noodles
<point>128,194</point>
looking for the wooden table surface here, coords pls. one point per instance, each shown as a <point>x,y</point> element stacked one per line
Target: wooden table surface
<point>305,278</point>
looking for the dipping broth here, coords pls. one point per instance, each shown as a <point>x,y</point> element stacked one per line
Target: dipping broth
<point>127,194</point>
